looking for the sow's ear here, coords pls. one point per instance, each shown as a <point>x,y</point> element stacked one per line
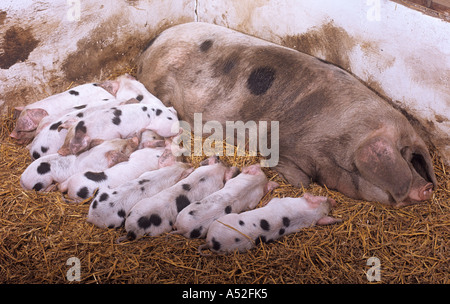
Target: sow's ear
<point>381,164</point>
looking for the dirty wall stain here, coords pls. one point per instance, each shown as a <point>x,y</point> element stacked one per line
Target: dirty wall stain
<point>328,41</point>
<point>17,45</point>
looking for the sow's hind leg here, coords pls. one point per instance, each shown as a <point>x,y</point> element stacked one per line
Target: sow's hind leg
<point>292,173</point>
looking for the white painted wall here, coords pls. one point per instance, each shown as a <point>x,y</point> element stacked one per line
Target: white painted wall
<point>399,52</point>
<point>79,40</point>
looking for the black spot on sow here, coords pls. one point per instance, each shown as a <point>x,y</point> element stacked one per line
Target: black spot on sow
<point>206,45</point>
<point>73,92</point>
<point>260,80</point>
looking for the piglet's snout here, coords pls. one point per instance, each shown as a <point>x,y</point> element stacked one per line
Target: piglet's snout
<point>332,202</point>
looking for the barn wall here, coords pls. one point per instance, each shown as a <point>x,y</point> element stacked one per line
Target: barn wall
<point>46,45</point>
<point>399,52</point>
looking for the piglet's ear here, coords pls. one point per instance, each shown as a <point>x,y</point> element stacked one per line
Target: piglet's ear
<point>111,86</point>
<point>231,172</point>
<point>79,143</point>
<point>157,143</point>
<point>129,101</point>
<point>17,111</point>
<point>380,163</point>
<point>29,119</point>
<point>114,157</point>
<point>210,161</point>
<point>95,142</point>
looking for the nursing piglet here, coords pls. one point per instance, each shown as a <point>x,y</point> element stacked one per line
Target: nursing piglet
<point>239,194</point>
<point>82,185</point>
<point>54,168</point>
<point>281,216</point>
<point>110,206</point>
<point>51,132</point>
<point>156,215</point>
<point>32,114</point>
<point>119,122</point>
<point>126,86</point>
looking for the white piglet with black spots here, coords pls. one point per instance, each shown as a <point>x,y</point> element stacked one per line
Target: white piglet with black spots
<point>281,216</point>
<point>54,168</point>
<point>83,185</point>
<point>52,130</point>
<point>110,206</point>
<point>157,214</point>
<point>119,122</point>
<point>126,86</point>
<point>57,104</point>
<point>241,193</point>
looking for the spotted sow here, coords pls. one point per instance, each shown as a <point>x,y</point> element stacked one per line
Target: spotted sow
<point>333,129</point>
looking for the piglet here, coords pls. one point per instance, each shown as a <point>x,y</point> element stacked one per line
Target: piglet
<point>281,216</point>
<point>155,215</point>
<point>54,168</point>
<point>32,114</point>
<point>126,86</point>
<point>51,132</point>
<point>119,122</point>
<point>82,185</point>
<point>110,206</point>
<point>239,194</point>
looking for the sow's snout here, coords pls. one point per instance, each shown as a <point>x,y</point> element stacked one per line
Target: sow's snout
<point>405,173</point>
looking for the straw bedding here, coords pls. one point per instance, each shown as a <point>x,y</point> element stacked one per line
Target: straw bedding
<point>39,232</point>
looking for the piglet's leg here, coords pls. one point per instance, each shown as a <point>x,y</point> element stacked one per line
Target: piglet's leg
<point>328,220</point>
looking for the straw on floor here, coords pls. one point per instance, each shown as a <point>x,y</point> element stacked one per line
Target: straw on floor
<point>40,232</point>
